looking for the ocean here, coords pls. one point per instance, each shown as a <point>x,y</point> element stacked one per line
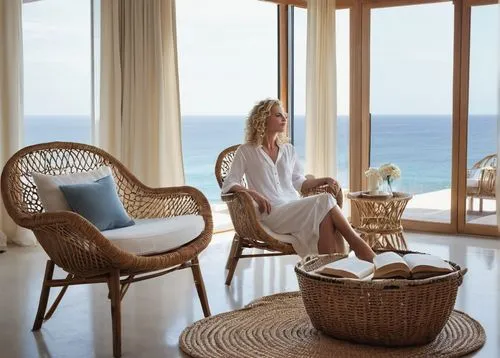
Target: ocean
<point>419,145</point>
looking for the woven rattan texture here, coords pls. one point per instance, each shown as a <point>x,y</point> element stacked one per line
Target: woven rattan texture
<point>278,326</point>
<point>242,210</point>
<point>71,241</point>
<point>386,312</point>
<point>380,220</point>
<point>487,180</point>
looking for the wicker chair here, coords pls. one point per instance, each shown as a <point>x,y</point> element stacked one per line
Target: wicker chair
<point>481,180</point>
<point>249,233</point>
<point>76,246</point>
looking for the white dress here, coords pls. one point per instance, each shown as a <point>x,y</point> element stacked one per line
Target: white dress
<point>280,183</point>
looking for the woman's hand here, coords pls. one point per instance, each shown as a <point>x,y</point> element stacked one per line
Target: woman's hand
<point>262,202</point>
<point>312,183</point>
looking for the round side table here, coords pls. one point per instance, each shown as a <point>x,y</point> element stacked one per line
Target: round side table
<point>381,219</point>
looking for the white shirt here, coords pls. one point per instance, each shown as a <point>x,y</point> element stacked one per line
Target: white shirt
<point>279,182</point>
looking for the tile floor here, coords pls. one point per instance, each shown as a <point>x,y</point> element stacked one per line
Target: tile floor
<point>156,311</point>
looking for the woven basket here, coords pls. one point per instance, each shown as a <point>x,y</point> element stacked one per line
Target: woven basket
<point>393,312</point>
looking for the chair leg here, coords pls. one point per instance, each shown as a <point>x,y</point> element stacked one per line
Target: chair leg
<point>234,261</point>
<point>114,292</point>
<point>234,246</point>
<point>44,295</point>
<point>200,286</point>
<point>58,299</point>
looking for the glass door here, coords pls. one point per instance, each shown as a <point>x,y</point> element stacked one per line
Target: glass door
<point>480,112</point>
<point>411,104</point>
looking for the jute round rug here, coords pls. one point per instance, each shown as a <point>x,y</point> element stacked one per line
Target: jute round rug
<point>278,326</point>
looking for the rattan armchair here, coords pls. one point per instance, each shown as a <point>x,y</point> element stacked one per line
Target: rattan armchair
<point>78,247</point>
<point>249,232</point>
<point>481,180</point>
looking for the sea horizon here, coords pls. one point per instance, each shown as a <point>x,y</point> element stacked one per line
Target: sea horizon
<point>419,144</point>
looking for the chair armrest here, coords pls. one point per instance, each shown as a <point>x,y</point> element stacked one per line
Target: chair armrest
<point>168,202</point>
<point>74,244</point>
<point>243,201</point>
<point>334,190</point>
<point>247,225</point>
<point>487,183</point>
<point>227,198</point>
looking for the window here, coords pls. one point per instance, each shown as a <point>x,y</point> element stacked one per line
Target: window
<point>57,71</point>
<point>411,77</point>
<point>482,119</point>
<point>227,62</point>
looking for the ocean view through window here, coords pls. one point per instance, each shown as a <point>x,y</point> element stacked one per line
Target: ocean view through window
<point>411,91</point>
<point>219,85</point>
<point>221,80</point>
<point>57,71</point>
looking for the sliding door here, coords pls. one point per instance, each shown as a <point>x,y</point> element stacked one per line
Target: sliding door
<point>410,104</point>
<point>480,63</point>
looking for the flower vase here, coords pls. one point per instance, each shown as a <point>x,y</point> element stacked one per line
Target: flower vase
<point>388,186</point>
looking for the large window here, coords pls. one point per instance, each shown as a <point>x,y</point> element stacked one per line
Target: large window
<point>227,62</point>
<point>411,79</point>
<point>482,119</point>
<point>57,71</point>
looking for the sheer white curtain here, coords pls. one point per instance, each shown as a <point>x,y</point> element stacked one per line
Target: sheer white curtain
<point>321,91</point>
<point>11,106</point>
<point>140,119</point>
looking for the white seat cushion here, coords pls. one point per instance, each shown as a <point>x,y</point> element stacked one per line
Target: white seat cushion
<point>280,237</point>
<point>150,236</point>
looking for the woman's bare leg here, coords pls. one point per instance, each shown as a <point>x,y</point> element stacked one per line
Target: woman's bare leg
<point>329,241</point>
<point>326,243</point>
<point>360,247</point>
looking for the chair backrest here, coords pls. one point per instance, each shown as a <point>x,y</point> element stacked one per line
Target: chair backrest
<point>55,158</point>
<point>223,163</point>
<point>488,161</point>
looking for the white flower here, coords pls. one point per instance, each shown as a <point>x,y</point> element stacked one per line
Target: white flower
<point>389,171</point>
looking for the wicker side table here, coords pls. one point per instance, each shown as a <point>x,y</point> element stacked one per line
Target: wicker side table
<point>380,219</point>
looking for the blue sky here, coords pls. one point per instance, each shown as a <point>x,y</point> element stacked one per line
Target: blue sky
<point>228,56</point>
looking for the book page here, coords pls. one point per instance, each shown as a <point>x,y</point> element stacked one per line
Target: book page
<point>426,263</point>
<point>390,264</point>
<point>349,267</point>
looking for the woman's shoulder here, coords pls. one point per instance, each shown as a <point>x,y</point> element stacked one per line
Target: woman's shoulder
<point>288,147</point>
<point>247,147</point>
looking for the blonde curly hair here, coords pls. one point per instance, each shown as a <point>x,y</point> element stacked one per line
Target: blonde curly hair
<point>257,122</point>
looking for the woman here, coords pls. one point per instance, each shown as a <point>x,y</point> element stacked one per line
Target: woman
<point>275,176</point>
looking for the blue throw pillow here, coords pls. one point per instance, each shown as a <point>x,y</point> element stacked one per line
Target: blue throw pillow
<point>98,202</point>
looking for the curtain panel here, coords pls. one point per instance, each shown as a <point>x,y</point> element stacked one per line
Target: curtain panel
<point>11,107</point>
<point>140,120</point>
<point>321,91</point>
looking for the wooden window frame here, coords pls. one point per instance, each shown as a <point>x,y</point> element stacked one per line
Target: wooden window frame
<point>359,102</point>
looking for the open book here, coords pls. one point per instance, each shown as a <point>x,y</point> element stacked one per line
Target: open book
<point>387,265</point>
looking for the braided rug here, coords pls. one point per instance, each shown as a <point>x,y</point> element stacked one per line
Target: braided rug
<point>278,326</point>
